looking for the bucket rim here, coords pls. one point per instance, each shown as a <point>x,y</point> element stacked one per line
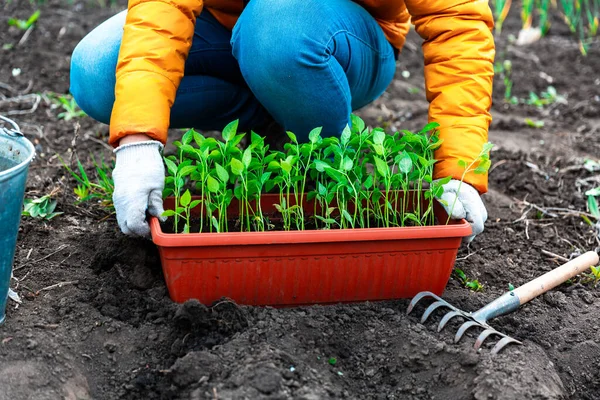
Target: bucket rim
<point>23,164</point>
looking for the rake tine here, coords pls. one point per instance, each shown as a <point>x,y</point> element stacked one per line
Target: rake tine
<point>432,307</point>
<point>484,335</point>
<point>463,328</point>
<point>500,345</point>
<point>420,296</point>
<point>448,317</point>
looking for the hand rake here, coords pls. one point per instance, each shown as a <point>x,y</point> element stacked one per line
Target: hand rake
<point>506,303</point>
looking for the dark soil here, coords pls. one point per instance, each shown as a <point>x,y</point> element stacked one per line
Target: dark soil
<point>96,320</point>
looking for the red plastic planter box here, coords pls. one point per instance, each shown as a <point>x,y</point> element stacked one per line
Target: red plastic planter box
<point>308,267</point>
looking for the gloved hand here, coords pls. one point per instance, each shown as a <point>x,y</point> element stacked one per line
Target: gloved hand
<point>139,178</point>
<point>468,205</point>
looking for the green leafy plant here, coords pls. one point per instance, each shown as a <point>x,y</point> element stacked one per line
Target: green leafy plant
<point>581,17</point>
<point>549,96</point>
<point>183,209</point>
<point>594,276</point>
<point>40,207</point>
<point>101,190</point>
<point>472,284</point>
<point>534,123</point>
<point>362,179</point>
<point>592,202</point>
<point>504,69</point>
<point>70,108</point>
<point>479,165</point>
<point>500,9</point>
<point>25,24</point>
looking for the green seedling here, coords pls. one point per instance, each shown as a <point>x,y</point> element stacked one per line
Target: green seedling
<point>592,203</point>
<point>501,8</point>
<point>101,190</point>
<point>471,284</point>
<point>68,105</point>
<point>527,7</point>
<point>332,361</point>
<point>25,24</point>
<point>362,179</point>
<point>594,276</point>
<point>505,70</point>
<point>581,17</point>
<point>480,165</point>
<point>549,96</point>
<point>591,165</point>
<point>543,8</point>
<point>533,123</point>
<point>183,209</point>
<point>40,208</point>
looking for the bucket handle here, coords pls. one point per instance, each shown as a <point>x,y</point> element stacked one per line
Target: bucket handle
<point>15,132</point>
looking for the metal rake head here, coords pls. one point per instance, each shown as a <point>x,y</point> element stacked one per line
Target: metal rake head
<point>471,321</point>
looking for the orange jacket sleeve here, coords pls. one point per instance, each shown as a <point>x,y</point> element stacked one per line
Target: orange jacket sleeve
<point>459,54</point>
<point>156,41</point>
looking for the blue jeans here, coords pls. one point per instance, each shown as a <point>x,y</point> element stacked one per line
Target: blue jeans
<point>304,63</point>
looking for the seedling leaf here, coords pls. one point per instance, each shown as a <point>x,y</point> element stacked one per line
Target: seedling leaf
<point>221,172</point>
<point>381,166</point>
<point>345,138</point>
<point>212,184</point>
<point>593,207</point>
<point>230,130</point>
<point>237,168</point>
<point>405,164</point>
<point>315,135</point>
<point>171,167</point>
<point>185,199</point>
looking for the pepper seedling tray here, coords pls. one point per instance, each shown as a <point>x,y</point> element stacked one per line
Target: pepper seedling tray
<point>279,268</point>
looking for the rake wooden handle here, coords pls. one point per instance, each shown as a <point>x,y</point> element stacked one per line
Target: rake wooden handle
<point>558,275</point>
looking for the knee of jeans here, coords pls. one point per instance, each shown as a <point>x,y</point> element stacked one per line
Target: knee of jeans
<point>91,86</point>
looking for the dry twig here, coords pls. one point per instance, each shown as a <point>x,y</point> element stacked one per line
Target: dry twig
<point>58,285</point>
<point>61,247</point>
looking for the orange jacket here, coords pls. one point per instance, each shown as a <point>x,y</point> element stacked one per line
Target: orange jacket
<point>458,51</point>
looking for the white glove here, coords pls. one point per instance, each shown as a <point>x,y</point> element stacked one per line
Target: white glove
<point>467,204</point>
<point>139,178</point>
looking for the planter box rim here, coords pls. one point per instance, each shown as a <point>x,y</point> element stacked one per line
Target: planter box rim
<point>455,229</point>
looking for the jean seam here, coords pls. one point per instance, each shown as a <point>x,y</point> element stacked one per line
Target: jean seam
<point>361,41</point>
<point>347,97</point>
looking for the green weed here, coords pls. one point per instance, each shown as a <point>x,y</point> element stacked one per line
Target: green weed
<point>25,24</point>
<point>101,190</point>
<point>472,284</point>
<point>40,208</point>
<point>68,105</point>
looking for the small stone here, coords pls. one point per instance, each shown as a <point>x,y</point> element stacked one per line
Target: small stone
<point>267,380</point>
<point>587,297</point>
<point>110,346</point>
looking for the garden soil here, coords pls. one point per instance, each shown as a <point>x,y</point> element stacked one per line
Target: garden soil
<point>96,321</point>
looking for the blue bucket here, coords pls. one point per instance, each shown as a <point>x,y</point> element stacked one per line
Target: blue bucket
<point>16,153</point>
